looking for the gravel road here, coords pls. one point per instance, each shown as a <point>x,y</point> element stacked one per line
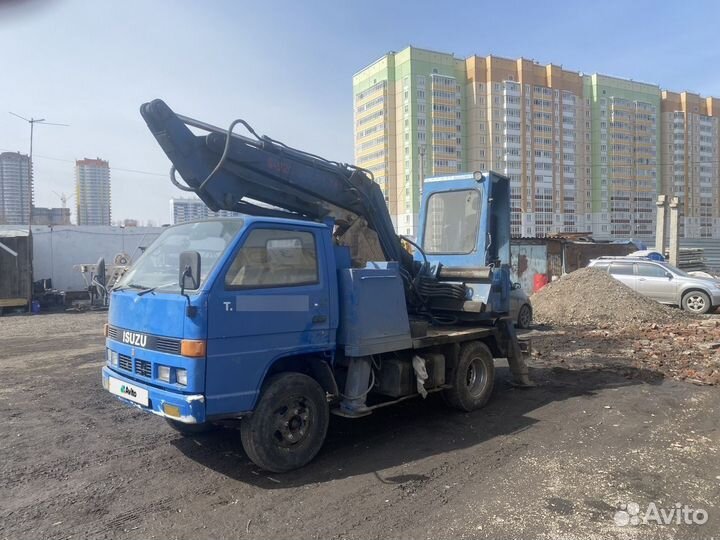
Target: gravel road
<point>549,462</point>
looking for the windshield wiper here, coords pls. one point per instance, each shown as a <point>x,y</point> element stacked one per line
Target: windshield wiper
<point>151,289</point>
<point>128,286</point>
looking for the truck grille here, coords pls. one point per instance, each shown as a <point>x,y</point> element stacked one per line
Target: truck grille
<point>125,362</point>
<point>143,368</point>
<point>167,345</point>
<point>154,343</point>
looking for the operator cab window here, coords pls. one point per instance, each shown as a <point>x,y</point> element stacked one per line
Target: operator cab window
<point>621,269</point>
<point>274,258</point>
<point>452,222</point>
<point>651,270</point>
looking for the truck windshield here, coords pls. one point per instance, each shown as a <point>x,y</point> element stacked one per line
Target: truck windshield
<point>452,220</point>
<point>159,265</point>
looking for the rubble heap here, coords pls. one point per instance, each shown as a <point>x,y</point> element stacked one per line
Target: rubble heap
<point>591,297</point>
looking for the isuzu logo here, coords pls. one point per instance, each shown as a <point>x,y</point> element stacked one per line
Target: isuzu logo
<point>134,338</point>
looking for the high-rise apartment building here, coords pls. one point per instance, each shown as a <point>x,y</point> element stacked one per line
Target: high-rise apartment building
<point>625,156</point>
<point>532,123</point>
<point>92,191</point>
<point>584,153</point>
<point>690,149</point>
<point>15,188</point>
<point>408,114</point>
<point>184,209</point>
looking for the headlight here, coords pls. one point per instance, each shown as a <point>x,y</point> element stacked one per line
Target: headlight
<point>181,376</point>
<point>163,373</point>
<point>112,357</point>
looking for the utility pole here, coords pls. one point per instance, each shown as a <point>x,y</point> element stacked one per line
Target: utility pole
<point>32,122</point>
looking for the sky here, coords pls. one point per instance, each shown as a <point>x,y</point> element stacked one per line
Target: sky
<point>286,67</point>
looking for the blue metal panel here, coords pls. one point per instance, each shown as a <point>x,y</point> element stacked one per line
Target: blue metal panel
<point>374,317</point>
<point>493,239</point>
<point>249,329</point>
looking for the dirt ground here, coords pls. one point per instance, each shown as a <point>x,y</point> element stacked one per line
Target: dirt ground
<point>554,461</point>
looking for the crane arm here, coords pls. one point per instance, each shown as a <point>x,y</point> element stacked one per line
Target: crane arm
<point>234,172</point>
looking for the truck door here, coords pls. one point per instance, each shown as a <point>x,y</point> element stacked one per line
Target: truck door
<point>272,300</point>
<point>652,281</point>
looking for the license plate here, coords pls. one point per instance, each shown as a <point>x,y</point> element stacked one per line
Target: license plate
<point>128,391</point>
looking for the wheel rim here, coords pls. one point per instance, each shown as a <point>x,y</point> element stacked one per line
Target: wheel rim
<point>524,316</point>
<point>293,422</point>
<point>695,303</point>
<point>476,377</point>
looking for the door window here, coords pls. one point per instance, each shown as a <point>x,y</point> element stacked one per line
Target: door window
<point>651,270</point>
<point>274,258</point>
<point>621,269</point>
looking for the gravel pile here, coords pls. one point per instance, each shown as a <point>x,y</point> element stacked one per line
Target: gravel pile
<point>591,297</point>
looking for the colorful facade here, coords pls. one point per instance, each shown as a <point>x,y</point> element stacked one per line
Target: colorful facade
<point>691,149</point>
<point>92,191</point>
<point>584,153</point>
<point>409,123</point>
<point>625,138</point>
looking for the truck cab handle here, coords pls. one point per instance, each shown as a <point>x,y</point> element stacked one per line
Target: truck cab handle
<point>319,319</point>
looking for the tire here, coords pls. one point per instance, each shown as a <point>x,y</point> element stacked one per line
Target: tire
<point>189,429</point>
<point>473,379</point>
<point>289,424</point>
<point>524,318</point>
<point>696,302</point>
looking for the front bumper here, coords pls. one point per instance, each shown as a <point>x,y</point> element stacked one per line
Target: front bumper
<point>191,406</point>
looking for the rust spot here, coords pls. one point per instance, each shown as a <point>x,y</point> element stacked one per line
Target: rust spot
<point>522,264</point>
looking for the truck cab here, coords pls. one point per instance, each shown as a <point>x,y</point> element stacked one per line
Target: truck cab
<point>201,354</point>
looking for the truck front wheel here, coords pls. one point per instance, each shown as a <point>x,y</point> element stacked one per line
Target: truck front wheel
<point>288,427</point>
<point>473,378</point>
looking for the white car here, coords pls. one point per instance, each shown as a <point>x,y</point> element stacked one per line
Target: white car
<point>520,307</point>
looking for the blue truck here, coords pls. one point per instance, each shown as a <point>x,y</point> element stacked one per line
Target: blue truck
<point>308,303</point>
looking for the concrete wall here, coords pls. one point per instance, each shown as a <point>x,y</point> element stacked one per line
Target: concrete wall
<point>57,249</point>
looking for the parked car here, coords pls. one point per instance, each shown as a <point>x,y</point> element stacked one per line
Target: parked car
<point>520,307</point>
<point>663,282</point>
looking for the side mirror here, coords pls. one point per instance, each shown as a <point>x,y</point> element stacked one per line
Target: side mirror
<point>668,274</point>
<point>189,270</point>
<point>516,285</point>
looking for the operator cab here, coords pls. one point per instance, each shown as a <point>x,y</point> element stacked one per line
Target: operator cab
<point>465,238</point>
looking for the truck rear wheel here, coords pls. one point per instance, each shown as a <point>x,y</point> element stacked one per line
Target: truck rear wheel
<point>289,424</point>
<point>472,379</point>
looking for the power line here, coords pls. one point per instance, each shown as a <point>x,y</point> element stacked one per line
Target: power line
<point>122,169</point>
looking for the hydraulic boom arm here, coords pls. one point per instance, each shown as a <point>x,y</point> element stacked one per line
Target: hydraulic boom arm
<point>233,172</point>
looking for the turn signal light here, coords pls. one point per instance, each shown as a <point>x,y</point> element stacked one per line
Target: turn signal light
<point>105,329</point>
<point>194,348</point>
<point>171,410</point>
